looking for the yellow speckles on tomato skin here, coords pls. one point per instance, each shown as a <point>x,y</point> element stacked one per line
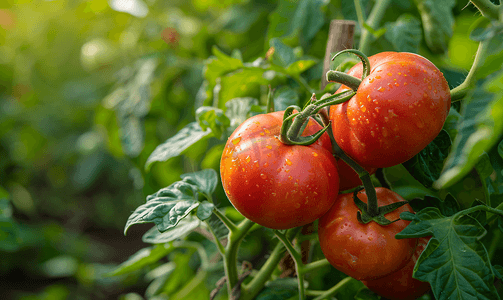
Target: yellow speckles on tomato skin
<point>236,140</point>
<point>381,89</point>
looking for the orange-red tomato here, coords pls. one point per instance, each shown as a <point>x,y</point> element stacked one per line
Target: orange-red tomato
<point>398,110</point>
<point>364,251</point>
<point>400,285</point>
<point>276,185</point>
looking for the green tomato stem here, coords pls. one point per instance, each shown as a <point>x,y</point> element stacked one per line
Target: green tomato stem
<point>373,21</point>
<point>250,290</point>
<point>220,247</point>
<point>227,222</point>
<point>372,204</point>
<point>346,79</point>
<point>493,216</point>
<point>487,8</point>
<point>333,290</point>
<point>270,101</point>
<point>359,12</point>
<point>315,265</point>
<point>297,258</point>
<point>462,90</point>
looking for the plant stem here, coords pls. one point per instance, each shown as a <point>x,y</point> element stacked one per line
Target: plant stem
<point>250,290</point>
<point>346,79</point>
<point>487,8</point>
<point>461,90</point>
<point>231,252</point>
<point>494,216</point>
<point>494,243</point>
<point>339,286</point>
<point>227,222</point>
<point>315,265</point>
<point>220,247</point>
<point>359,12</point>
<point>373,21</point>
<point>297,258</point>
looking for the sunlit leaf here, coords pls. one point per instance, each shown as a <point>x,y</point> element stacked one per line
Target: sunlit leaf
<point>405,33</point>
<point>178,144</point>
<point>480,128</point>
<point>438,22</point>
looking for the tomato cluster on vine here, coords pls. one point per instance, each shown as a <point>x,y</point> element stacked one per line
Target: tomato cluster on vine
<point>273,178</point>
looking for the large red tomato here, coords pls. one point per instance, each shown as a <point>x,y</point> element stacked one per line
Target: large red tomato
<point>276,185</point>
<point>400,285</point>
<point>364,251</point>
<point>398,110</point>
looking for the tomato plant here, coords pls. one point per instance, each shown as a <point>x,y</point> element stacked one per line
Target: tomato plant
<point>399,108</point>
<point>400,285</point>
<point>276,185</point>
<point>364,251</point>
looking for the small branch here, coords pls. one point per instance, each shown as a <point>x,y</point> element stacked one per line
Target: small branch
<point>297,258</point>
<point>250,290</point>
<point>339,286</point>
<point>315,265</point>
<point>487,8</point>
<point>359,12</point>
<point>373,21</point>
<point>230,225</point>
<point>461,90</point>
<point>231,252</point>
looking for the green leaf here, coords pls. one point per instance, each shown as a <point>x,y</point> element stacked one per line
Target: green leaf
<point>297,22</point>
<point>295,68</point>
<point>455,241</point>
<point>438,22</point>
<point>241,83</point>
<point>427,165</point>
<point>206,181</point>
<point>498,271</point>
<point>484,167</point>
<point>279,289</point>
<point>168,206</point>
<point>205,210</point>
<point>484,29</point>
<point>132,134</point>
<point>154,236</point>
<point>480,128</point>
<point>238,110</point>
<point>213,118</point>
<point>366,294</point>
<point>451,123</point>
<point>284,97</point>
<point>405,33</point>
<point>220,65</point>
<point>141,259</point>
<point>283,55</point>
<point>178,144</point>
<point>448,207</point>
<point>500,149</point>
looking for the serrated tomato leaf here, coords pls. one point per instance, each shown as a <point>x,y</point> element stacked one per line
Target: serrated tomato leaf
<point>438,22</point>
<point>455,262</point>
<point>178,144</point>
<point>480,128</point>
<point>213,118</point>
<point>405,33</point>
<point>205,210</point>
<point>168,206</point>
<point>426,166</point>
<point>448,207</point>
<point>238,110</point>
<point>154,236</point>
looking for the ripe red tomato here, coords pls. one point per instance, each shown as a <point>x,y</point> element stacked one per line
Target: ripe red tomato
<point>348,177</point>
<point>276,185</point>
<point>400,285</point>
<point>364,251</point>
<point>398,110</point>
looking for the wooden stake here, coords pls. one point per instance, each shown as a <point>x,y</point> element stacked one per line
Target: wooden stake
<point>340,37</point>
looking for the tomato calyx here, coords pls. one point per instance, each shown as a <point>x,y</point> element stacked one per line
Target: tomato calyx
<point>346,79</point>
<point>376,214</point>
<point>295,122</point>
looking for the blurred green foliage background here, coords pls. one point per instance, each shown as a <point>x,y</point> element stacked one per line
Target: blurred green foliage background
<point>88,89</point>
